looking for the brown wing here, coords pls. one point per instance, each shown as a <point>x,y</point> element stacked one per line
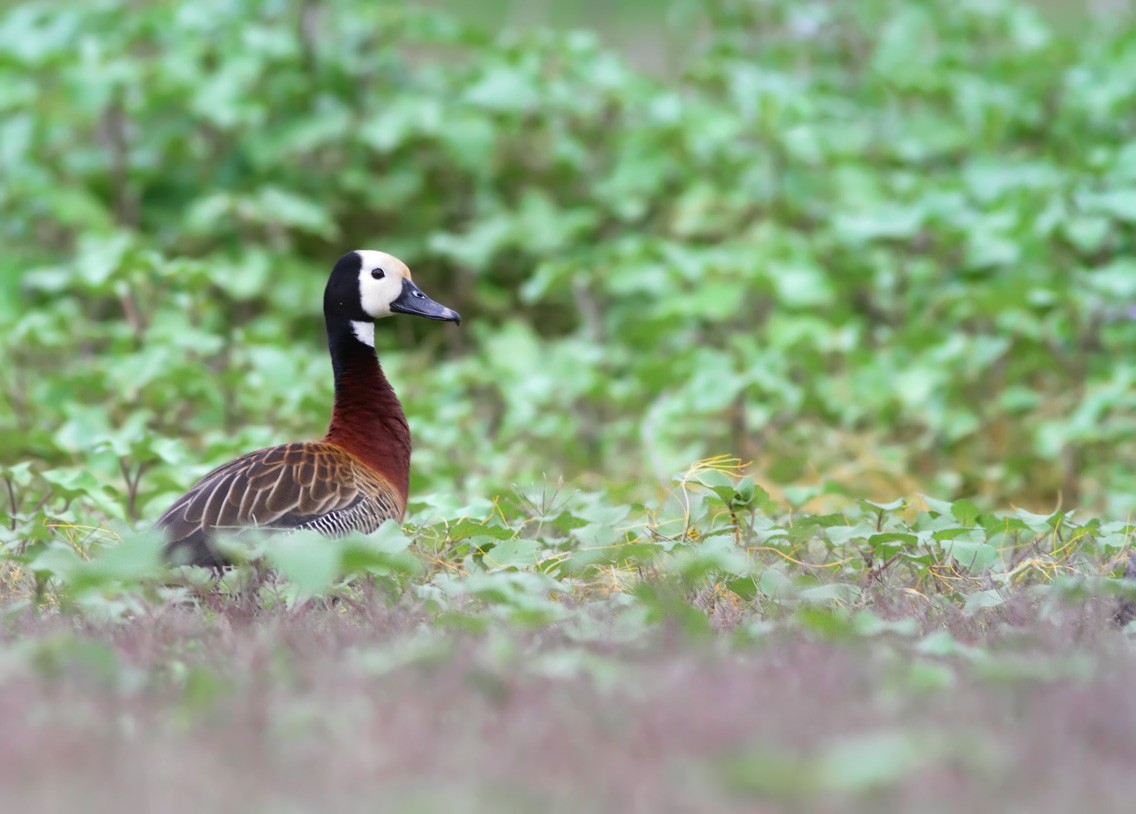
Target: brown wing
<point>294,486</point>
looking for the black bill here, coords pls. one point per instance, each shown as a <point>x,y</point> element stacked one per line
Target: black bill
<point>413,301</point>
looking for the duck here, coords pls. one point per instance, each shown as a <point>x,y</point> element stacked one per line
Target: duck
<point>356,476</point>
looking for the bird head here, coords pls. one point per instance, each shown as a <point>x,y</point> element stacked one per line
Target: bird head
<point>367,285</point>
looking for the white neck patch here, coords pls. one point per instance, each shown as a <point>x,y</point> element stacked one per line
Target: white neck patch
<point>364,332</point>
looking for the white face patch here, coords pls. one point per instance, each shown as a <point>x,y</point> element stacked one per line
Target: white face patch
<point>376,295</point>
<point>364,332</point>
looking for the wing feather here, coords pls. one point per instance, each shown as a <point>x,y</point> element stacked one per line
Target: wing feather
<point>294,486</point>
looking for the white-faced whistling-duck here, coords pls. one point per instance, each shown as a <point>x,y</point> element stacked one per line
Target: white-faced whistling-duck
<point>358,475</point>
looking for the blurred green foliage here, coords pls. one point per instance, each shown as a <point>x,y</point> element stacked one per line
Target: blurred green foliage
<point>883,245</point>
<point>812,255</point>
<point>714,552</point>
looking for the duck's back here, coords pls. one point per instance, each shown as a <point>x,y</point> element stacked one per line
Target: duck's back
<point>310,485</point>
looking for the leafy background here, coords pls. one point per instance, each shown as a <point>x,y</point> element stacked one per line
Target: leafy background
<point>791,328</point>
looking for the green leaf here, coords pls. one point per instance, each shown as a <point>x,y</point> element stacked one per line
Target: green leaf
<point>306,559</point>
<point>775,584</point>
<point>983,599</point>
<point>383,552</point>
<point>715,556</point>
<point>826,621</point>
<point>977,557</point>
<point>833,592</point>
<point>891,506</point>
<point>73,483</point>
<point>965,512</point>
<point>516,553</point>
<point>59,561</point>
<point>940,507</point>
<point>887,543</point>
<point>137,557</point>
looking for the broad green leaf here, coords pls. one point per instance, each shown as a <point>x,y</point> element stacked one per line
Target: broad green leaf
<point>308,560</point>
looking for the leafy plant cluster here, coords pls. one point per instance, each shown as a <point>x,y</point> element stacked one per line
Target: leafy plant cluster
<point>715,553</point>
<point>882,244</point>
<point>833,252</point>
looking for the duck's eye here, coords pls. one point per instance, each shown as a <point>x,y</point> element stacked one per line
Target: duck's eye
<point>378,274</point>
